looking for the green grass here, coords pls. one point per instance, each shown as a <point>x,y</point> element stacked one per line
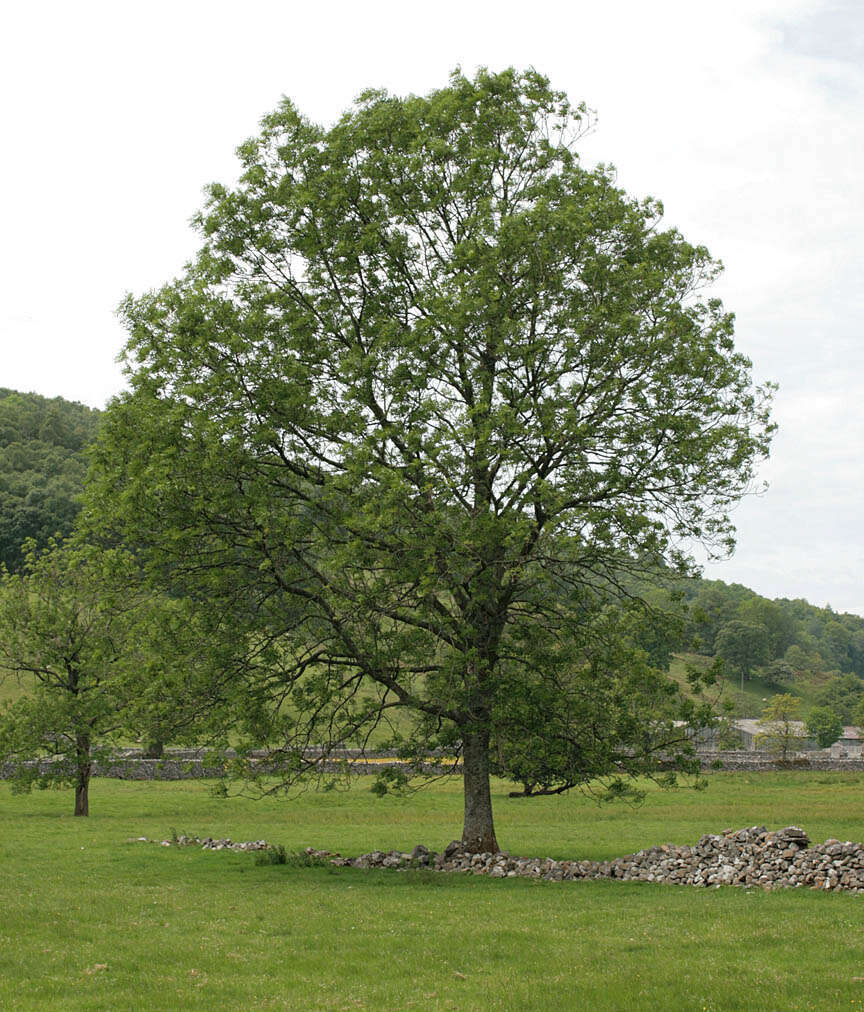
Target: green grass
<point>12,687</point>
<point>90,921</point>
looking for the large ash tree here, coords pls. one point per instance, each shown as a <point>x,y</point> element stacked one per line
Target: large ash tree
<point>428,393</point>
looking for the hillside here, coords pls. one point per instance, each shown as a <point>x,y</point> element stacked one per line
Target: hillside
<point>777,646</point>
<point>42,468</point>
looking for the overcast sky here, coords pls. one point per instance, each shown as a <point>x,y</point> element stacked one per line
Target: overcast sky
<point>745,118</point>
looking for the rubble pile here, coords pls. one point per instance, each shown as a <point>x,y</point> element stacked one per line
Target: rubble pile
<point>208,843</point>
<point>752,857</point>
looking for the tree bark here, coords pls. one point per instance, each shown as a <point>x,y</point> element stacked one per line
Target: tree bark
<point>478,833</point>
<point>82,782</point>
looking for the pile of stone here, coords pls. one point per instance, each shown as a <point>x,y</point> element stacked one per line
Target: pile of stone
<point>208,843</point>
<point>752,857</point>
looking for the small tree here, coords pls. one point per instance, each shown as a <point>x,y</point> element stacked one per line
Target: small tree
<point>824,726</point>
<point>780,724</point>
<point>777,672</point>
<point>69,629</point>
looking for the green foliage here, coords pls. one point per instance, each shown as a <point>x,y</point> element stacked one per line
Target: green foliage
<point>777,623</point>
<point>843,694</point>
<point>273,855</point>
<point>743,645</point>
<point>43,464</point>
<point>103,656</point>
<point>429,395</point>
<point>69,622</point>
<point>778,672</point>
<point>614,714</point>
<point>824,726</point>
<point>814,641</point>
<point>780,725</point>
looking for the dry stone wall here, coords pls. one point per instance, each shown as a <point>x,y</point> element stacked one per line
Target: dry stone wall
<point>179,764</point>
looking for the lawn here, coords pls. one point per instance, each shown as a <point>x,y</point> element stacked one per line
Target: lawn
<point>89,920</point>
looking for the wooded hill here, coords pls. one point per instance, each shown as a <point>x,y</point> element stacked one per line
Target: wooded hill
<point>42,468</point>
<point>788,645</point>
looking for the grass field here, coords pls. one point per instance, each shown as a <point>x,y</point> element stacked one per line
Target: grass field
<point>91,921</point>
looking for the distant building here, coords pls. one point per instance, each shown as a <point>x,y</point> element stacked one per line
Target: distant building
<point>850,745</point>
<point>745,732</point>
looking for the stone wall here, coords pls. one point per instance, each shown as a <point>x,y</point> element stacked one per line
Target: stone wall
<point>755,761</point>
<point>188,764</point>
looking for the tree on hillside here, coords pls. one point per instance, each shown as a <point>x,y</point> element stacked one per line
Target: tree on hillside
<point>778,625</point>
<point>430,391</point>
<point>743,645</point>
<point>777,672</point>
<point>842,694</point>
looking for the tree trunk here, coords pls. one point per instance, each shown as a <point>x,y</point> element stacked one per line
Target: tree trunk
<point>478,834</point>
<point>82,781</point>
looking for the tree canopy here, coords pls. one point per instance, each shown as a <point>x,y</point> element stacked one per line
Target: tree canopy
<point>429,392</point>
<point>824,726</point>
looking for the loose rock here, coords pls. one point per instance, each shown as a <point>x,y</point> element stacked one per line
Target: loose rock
<point>752,857</point>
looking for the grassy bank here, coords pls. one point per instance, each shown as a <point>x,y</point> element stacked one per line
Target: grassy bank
<point>91,921</point>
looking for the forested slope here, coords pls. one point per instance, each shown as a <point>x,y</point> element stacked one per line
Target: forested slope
<point>789,645</point>
<point>42,467</point>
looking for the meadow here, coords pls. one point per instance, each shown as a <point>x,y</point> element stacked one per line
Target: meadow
<point>90,920</point>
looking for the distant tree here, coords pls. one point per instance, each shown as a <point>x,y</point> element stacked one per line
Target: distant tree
<point>824,726</point>
<point>778,625</point>
<point>68,623</point>
<point>858,715</point>
<point>709,610</point>
<point>100,657</point>
<point>842,694</point>
<point>780,725</point>
<point>836,641</point>
<point>856,649</point>
<point>743,646</point>
<point>777,672</point>
<point>803,662</point>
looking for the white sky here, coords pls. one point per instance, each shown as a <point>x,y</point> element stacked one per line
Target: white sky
<point>744,117</point>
